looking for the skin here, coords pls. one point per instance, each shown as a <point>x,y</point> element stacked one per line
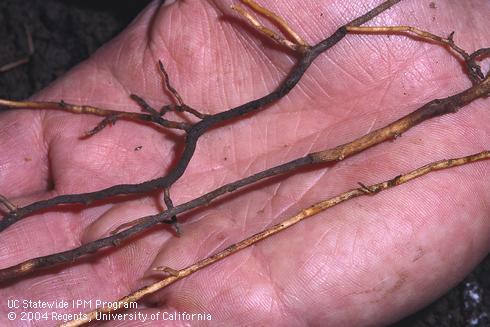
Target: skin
<point>370,261</point>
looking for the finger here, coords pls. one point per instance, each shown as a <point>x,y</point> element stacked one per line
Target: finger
<point>133,258</point>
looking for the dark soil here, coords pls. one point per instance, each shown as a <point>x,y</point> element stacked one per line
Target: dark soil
<point>66,32</point>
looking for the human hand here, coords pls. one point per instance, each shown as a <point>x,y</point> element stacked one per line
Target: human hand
<point>369,261</point>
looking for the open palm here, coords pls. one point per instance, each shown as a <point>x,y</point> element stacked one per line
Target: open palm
<point>369,261</point>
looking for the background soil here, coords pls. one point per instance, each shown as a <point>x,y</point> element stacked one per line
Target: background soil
<point>67,32</point>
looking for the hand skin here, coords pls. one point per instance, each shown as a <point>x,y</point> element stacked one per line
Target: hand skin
<point>370,261</point>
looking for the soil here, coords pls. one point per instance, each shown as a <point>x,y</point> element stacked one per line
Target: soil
<point>67,32</point>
